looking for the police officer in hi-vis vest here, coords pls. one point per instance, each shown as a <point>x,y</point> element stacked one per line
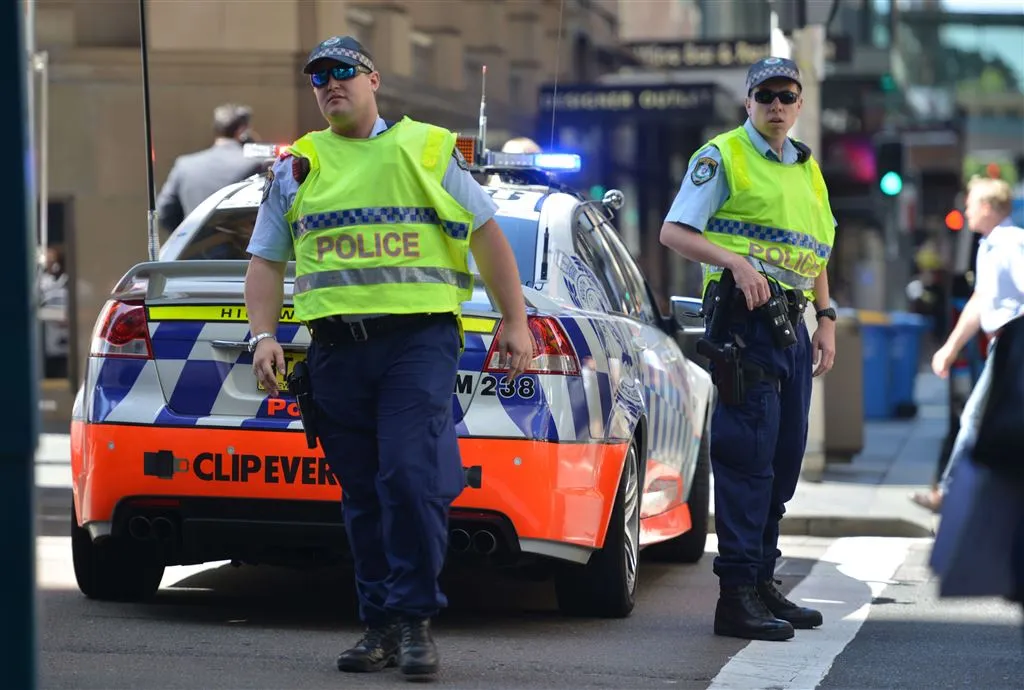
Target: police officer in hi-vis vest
<point>380,218</point>
<point>754,211</point>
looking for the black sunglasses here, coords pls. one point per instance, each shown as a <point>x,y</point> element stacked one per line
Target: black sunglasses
<point>766,96</point>
<point>321,78</point>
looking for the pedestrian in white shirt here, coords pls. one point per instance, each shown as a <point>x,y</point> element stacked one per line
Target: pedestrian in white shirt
<point>998,298</point>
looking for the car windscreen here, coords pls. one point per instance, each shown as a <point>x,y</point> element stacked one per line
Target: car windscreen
<point>225,234</point>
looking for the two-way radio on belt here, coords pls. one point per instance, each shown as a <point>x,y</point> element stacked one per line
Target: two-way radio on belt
<point>154,237</point>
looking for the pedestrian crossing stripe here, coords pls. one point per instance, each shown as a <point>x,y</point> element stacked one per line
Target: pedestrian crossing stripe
<point>238,314</point>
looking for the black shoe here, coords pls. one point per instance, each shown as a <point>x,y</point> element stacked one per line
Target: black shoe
<point>741,613</point>
<point>377,649</point>
<point>417,655</point>
<point>798,616</point>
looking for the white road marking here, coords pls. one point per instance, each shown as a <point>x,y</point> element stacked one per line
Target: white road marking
<point>841,585</point>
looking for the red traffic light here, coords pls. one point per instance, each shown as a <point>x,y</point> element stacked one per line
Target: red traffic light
<point>955,220</point>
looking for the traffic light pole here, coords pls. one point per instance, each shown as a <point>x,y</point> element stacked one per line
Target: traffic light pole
<point>18,423</point>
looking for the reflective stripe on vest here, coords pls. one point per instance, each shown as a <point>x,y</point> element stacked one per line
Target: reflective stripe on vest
<point>384,215</point>
<point>382,275</point>
<point>777,216</point>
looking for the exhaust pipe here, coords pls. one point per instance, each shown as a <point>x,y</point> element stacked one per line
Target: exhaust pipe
<point>139,528</point>
<point>163,528</point>
<point>458,540</point>
<point>485,542</point>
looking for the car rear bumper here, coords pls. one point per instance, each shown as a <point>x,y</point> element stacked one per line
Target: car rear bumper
<point>248,487</point>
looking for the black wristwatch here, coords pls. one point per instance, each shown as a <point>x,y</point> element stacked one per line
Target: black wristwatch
<point>829,313</point>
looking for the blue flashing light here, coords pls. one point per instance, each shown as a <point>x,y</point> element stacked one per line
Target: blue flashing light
<point>553,162</point>
<point>567,162</point>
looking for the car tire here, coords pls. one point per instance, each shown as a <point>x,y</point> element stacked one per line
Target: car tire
<point>606,586</point>
<point>114,569</point>
<point>689,546</point>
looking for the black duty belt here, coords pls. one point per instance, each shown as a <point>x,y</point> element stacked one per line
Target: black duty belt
<point>796,299</point>
<point>333,330</point>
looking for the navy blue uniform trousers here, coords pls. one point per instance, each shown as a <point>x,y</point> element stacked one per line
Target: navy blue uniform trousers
<point>757,449</point>
<point>388,435</point>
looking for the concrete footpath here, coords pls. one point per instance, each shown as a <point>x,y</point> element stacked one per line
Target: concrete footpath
<point>868,496</point>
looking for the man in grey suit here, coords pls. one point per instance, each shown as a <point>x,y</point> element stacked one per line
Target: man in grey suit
<point>195,176</point>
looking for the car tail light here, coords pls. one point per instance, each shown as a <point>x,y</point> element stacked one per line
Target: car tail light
<point>121,331</point>
<point>553,353</point>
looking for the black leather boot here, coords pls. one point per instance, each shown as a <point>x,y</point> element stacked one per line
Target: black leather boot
<point>781,607</point>
<point>417,655</point>
<point>377,649</point>
<point>741,613</point>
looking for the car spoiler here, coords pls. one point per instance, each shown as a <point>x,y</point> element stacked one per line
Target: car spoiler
<point>155,274</point>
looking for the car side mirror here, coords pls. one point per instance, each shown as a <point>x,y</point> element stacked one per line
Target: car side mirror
<point>613,199</point>
<point>687,315</point>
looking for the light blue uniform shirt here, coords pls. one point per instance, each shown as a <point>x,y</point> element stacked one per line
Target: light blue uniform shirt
<point>695,204</point>
<point>272,238</point>
<point>999,276</point>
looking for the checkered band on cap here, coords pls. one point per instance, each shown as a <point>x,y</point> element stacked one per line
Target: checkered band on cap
<point>335,52</point>
<point>772,68</point>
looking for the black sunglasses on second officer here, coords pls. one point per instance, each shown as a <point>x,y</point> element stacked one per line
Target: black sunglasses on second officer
<point>320,78</point>
<point>767,96</point>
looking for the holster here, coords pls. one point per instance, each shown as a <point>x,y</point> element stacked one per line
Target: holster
<point>730,373</point>
<point>300,385</point>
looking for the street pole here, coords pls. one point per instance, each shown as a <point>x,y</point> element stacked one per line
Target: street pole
<point>18,423</point>
<point>809,55</point>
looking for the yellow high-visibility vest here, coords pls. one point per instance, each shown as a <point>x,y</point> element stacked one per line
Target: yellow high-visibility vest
<point>374,230</point>
<point>778,216</point>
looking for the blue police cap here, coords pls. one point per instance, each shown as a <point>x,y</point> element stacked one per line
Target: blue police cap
<point>343,49</point>
<point>772,68</point>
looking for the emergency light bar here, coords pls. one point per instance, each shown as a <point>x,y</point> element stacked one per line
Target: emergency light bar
<point>552,162</point>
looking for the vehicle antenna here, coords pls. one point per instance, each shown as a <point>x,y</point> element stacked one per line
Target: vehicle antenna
<point>558,55</point>
<point>483,107</point>
<point>154,237</point>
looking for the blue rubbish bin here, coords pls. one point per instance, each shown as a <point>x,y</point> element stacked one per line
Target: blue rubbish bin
<point>874,328</point>
<point>904,356</point>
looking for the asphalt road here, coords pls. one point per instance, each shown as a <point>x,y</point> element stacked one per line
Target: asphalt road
<point>913,640</point>
<point>215,626</point>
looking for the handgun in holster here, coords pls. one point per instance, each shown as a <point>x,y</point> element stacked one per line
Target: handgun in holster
<point>725,356</point>
<point>301,386</point>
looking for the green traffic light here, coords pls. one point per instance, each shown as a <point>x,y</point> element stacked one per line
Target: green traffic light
<point>891,184</point>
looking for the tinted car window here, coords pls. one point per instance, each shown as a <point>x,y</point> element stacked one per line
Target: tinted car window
<point>591,247</point>
<point>638,296</point>
<point>225,235</point>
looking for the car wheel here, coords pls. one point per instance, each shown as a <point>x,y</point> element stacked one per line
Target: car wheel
<point>606,585</point>
<point>689,546</point>
<point>113,570</point>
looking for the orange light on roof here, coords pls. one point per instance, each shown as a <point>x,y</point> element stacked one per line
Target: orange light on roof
<point>467,146</point>
<point>955,220</point>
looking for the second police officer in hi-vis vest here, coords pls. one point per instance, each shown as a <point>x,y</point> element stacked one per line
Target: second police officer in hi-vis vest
<point>753,209</point>
<point>380,218</point>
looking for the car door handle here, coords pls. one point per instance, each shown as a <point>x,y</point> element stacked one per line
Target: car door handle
<point>244,345</point>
